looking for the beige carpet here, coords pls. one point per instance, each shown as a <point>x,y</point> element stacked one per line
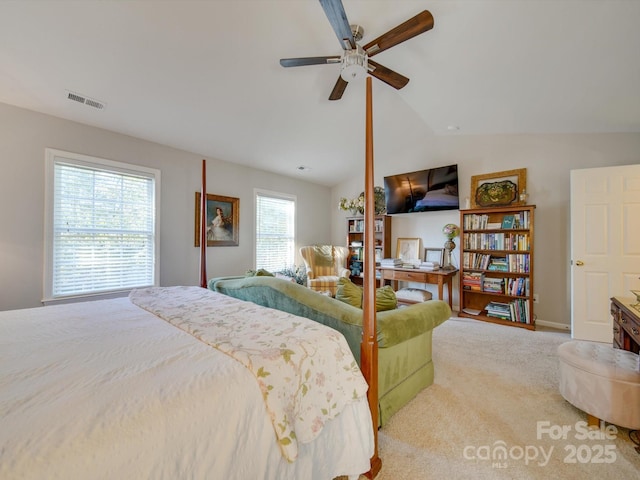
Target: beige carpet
<point>493,384</point>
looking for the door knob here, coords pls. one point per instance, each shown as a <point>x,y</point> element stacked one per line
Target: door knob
<point>579,263</point>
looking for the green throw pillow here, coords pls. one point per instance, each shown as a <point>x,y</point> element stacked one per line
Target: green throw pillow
<point>349,292</point>
<point>386,299</point>
<point>258,273</point>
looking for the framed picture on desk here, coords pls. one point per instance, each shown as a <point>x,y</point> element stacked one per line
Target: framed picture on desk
<point>408,249</point>
<point>435,255</point>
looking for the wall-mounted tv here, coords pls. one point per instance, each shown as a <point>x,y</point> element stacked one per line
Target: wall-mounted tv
<point>422,191</point>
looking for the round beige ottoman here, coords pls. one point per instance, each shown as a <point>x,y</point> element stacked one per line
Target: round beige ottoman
<point>602,381</point>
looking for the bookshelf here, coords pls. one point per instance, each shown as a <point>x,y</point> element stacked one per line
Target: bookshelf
<point>496,265</point>
<point>355,242</point>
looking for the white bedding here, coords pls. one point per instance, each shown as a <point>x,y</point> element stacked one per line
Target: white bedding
<point>107,390</point>
<point>305,369</point>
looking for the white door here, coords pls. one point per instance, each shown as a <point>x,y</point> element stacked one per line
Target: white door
<point>605,246</point>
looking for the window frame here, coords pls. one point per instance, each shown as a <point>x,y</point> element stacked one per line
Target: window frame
<point>278,195</point>
<point>52,156</point>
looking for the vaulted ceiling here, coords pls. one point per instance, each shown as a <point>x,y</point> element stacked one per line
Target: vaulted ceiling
<point>204,76</point>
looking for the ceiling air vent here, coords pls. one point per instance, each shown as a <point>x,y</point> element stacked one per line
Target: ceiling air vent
<point>86,100</point>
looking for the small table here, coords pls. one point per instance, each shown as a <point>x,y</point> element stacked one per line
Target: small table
<point>435,277</point>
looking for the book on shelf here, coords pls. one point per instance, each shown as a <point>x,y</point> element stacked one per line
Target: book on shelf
<point>496,241</point>
<point>520,311</point>
<point>519,220</point>
<point>356,226</point>
<point>472,281</point>
<point>508,221</point>
<point>518,287</point>
<point>518,262</point>
<point>471,311</point>
<point>475,222</point>
<point>499,310</point>
<point>498,264</point>
<point>475,260</point>
<point>493,285</point>
<point>516,311</point>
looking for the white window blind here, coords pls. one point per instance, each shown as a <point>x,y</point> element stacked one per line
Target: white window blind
<point>102,234</point>
<point>275,231</point>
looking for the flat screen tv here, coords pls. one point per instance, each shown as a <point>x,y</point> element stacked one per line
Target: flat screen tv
<point>422,191</point>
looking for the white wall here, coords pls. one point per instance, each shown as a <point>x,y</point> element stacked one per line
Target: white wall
<point>25,135</point>
<point>548,160</point>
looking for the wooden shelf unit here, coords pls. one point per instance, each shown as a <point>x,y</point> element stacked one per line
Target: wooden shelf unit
<point>496,264</point>
<point>355,242</point>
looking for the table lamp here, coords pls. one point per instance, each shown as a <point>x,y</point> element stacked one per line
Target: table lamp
<point>450,231</point>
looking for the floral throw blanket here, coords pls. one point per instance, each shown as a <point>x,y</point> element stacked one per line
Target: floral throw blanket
<point>304,369</point>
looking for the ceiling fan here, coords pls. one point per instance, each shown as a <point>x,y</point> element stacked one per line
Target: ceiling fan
<point>355,59</point>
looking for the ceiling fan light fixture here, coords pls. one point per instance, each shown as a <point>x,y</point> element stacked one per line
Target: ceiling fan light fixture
<point>354,61</point>
<point>354,64</point>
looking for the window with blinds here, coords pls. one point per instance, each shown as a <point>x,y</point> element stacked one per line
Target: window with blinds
<point>101,226</point>
<point>275,230</point>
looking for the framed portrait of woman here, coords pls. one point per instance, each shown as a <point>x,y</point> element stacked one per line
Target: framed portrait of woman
<point>223,215</point>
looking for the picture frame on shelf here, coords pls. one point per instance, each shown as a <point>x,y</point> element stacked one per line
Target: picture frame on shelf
<point>223,219</point>
<point>499,189</point>
<point>435,255</point>
<point>408,249</point>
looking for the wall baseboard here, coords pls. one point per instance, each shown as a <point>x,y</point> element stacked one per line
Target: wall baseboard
<point>556,325</point>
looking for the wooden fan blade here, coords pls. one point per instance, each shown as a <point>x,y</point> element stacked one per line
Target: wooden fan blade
<point>334,11</point>
<point>409,29</point>
<point>338,89</point>
<point>299,62</point>
<point>388,76</point>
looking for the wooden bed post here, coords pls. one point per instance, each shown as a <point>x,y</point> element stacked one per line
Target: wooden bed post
<point>369,346</point>
<point>203,227</point>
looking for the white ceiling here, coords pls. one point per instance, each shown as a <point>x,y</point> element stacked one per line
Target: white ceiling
<point>204,76</point>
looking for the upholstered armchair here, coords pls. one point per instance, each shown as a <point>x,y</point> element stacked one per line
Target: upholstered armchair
<point>325,264</point>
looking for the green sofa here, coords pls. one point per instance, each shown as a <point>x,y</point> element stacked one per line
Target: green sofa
<point>404,335</point>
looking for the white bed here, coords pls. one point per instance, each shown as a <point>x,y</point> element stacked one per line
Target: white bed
<point>105,389</point>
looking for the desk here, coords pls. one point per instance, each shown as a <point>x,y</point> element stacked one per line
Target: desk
<point>626,324</point>
<point>434,277</point>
